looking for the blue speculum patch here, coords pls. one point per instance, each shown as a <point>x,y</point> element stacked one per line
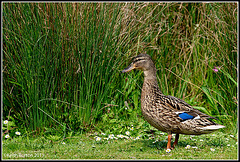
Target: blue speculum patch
<point>185,116</point>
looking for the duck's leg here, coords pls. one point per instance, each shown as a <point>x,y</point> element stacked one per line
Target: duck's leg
<point>176,140</point>
<point>169,141</point>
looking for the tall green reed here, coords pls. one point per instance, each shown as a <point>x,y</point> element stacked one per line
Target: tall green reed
<point>58,53</point>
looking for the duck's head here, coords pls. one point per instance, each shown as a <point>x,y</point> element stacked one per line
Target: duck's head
<point>144,63</point>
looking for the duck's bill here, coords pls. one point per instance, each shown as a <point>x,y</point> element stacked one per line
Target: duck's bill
<point>129,68</point>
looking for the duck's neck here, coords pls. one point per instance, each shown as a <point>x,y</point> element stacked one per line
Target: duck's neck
<point>150,92</point>
<point>150,82</point>
<point>150,74</point>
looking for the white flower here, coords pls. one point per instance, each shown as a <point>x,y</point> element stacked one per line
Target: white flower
<point>162,133</point>
<point>228,144</point>
<point>137,138</point>
<point>120,136</point>
<point>232,136</point>
<point>126,137</point>
<point>63,143</point>
<point>7,136</point>
<point>5,122</point>
<point>98,138</point>
<point>212,149</point>
<point>127,133</point>
<point>227,139</point>
<point>187,147</point>
<point>168,150</point>
<point>106,138</point>
<point>111,136</point>
<point>195,147</point>
<point>201,140</point>
<point>154,141</point>
<point>131,128</point>
<point>18,133</point>
<point>103,134</point>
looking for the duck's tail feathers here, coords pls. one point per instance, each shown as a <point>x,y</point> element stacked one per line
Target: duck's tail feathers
<point>213,127</point>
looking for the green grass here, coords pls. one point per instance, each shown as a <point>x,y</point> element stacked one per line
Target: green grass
<point>86,147</point>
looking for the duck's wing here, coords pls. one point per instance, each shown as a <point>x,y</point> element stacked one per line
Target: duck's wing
<point>183,109</point>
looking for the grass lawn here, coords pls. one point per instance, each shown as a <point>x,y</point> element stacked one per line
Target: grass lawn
<point>210,146</point>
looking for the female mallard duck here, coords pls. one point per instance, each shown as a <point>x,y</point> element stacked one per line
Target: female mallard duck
<point>167,113</point>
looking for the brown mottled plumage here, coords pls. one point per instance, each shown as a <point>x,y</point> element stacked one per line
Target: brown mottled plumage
<point>167,113</point>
